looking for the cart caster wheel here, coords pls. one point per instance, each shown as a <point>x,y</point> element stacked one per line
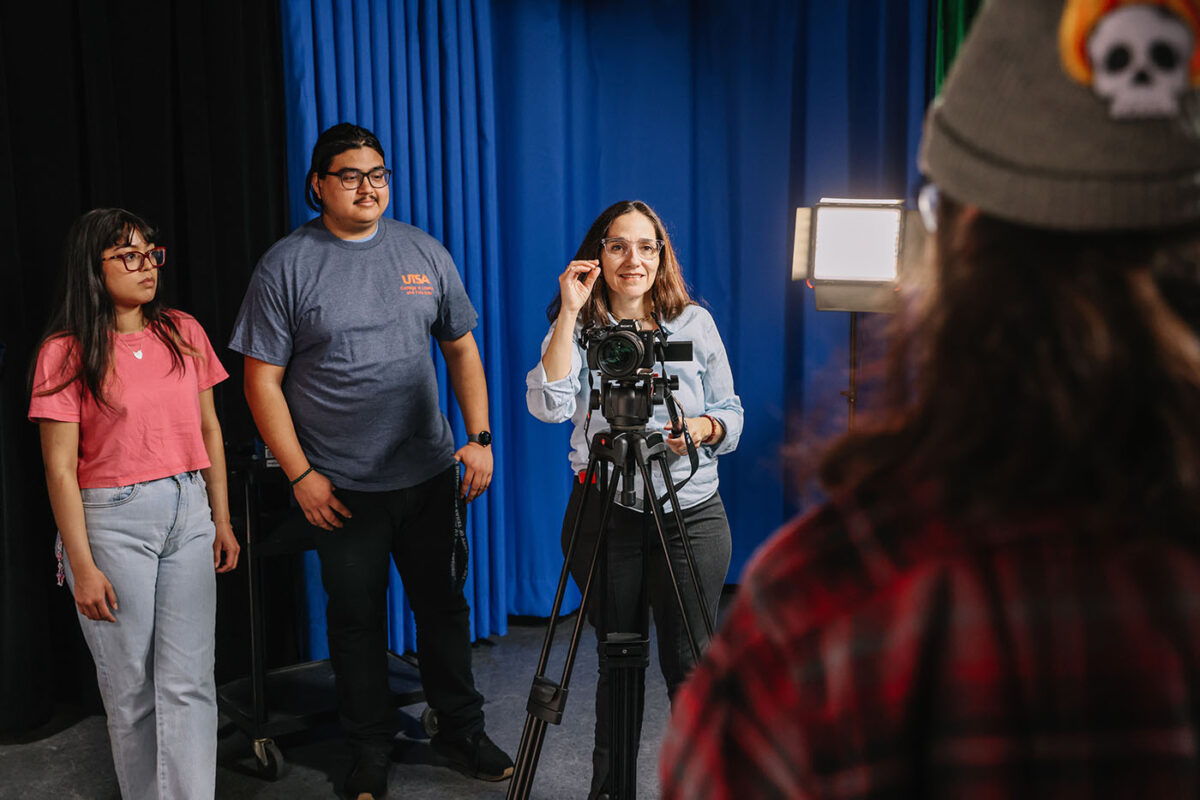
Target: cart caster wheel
<point>269,759</point>
<point>429,722</point>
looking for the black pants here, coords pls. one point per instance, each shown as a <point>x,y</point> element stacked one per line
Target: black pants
<point>415,527</point>
<point>616,607</point>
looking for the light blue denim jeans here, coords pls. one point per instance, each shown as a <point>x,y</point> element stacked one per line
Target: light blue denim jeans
<point>154,542</point>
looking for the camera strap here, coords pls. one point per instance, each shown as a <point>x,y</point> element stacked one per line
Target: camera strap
<point>675,412</point>
<point>587,421</point>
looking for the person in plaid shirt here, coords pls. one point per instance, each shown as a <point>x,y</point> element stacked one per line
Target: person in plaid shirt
<point>1001,596</point>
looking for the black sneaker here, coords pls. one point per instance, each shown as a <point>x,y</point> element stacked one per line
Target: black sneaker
<point>476,755</point>
<point>368,777</point>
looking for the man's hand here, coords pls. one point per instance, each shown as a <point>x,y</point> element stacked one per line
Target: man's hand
<point>226,545</point>
<point>94,594</point>
<point>314,493</point>
<point>477,469</point>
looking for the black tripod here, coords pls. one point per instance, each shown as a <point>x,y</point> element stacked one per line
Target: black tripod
<point>624,656</point>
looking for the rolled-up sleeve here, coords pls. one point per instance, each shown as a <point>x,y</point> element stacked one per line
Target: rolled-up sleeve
<point>553,401</point>
<point>720,400</point>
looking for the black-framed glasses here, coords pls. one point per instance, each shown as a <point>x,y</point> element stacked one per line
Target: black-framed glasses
<point>619,248</point>
<point>133,260</point>
<point>353,178</point>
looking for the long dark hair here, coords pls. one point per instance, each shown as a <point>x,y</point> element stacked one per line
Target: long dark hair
<point>1047,369</point>
<point>669,294</point>
<point>83,312</point>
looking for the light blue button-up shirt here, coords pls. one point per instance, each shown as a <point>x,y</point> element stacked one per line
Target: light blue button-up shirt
<point>705,387</point>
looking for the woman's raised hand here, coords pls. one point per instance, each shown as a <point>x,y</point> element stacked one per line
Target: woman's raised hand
<point>576,282</point>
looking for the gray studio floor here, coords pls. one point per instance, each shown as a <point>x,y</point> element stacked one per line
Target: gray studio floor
<point>75,762</point>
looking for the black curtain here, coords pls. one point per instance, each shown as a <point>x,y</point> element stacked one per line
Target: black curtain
<point>173,110</point>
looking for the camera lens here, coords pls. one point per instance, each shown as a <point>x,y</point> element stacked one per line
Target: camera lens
<point>619,355</point>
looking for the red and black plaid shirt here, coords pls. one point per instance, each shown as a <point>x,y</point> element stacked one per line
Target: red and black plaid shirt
<point>880,654</point>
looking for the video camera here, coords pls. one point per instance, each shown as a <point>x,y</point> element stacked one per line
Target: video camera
<point>625,356</point>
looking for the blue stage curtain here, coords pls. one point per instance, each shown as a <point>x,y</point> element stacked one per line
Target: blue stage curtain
<point>723,116</point>
<point>419,74</point>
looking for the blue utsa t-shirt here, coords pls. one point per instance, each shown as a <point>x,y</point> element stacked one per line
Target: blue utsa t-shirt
<point>351,321</point>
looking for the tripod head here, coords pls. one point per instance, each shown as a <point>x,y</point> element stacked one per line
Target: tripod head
<point>628,403</point>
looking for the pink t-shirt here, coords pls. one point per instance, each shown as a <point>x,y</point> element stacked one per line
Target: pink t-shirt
<point>153,428</point>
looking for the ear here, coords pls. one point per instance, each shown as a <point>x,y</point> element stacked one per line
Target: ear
<point>315,182</point>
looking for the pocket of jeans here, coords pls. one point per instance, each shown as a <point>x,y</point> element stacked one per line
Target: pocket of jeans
<point>109,496</point>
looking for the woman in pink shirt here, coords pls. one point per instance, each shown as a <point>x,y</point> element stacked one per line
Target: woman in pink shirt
<point>135,469</point>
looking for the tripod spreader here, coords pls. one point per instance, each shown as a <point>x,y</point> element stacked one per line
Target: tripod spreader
<point>547,700</point>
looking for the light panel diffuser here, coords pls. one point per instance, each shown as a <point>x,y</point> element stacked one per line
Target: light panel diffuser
<point>856,244</point>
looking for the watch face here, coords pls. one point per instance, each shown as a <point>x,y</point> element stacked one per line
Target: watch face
<point>483,437</point>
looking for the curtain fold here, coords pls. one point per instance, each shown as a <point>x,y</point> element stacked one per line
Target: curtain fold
<point>418,74</point>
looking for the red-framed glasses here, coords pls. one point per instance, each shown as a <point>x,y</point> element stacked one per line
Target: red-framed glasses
<point>133,260</point>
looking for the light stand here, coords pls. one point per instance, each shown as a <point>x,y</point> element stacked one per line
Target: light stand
<point>851,392</point>
<point>851,254</point>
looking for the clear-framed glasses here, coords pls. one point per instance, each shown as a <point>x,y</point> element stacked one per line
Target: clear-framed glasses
<point>927,203</point>
<point>619,248</point>
<point>353,178</point>
<point>133,260</point>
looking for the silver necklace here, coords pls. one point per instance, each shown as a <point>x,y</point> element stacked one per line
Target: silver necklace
<point>141,339</point>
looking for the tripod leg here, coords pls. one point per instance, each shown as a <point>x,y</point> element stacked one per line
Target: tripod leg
<point>586,589</point>
<point>660,523</point>
<point>525,766</point>
<point>625,656</point>
<point>688,555</point>
<point>547,700</point>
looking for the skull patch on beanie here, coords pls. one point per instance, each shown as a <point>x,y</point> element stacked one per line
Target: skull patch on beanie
<point>1073,115</point>
<point>1138,56</point>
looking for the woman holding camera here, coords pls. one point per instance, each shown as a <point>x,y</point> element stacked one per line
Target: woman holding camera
<point>135,470</point>
<point>625,269</point>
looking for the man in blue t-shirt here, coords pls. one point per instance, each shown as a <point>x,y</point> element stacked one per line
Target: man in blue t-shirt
<point>335,331</point>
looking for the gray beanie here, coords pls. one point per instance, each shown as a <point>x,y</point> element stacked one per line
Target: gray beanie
<point>1079,115</point>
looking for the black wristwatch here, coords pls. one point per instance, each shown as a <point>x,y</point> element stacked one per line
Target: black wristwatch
<point>482,438</point>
